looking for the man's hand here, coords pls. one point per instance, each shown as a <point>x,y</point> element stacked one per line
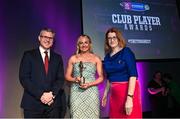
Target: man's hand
<point>47,98</point>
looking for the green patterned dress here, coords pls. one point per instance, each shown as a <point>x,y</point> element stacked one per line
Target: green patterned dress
<point>84,102</point>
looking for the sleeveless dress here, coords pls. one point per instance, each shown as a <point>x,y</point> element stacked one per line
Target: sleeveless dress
<point>84,102</point>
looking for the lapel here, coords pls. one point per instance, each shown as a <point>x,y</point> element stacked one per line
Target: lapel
<point>40,60</point>
<point>51,62</point>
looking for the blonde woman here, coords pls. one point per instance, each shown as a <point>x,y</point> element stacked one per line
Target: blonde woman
<point>81,70</point>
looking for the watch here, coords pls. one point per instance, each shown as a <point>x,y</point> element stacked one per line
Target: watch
<point>130,95</point>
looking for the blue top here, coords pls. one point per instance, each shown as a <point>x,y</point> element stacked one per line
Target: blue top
<point>120,66</point>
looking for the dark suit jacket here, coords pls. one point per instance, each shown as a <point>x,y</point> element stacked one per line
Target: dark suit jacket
<point>35,81</point>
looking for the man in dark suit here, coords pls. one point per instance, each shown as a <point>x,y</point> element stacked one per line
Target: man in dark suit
<point>41,74</point>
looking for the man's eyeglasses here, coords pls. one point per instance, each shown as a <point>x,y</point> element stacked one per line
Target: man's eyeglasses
<point>112,38</point>
<point>46,37</point>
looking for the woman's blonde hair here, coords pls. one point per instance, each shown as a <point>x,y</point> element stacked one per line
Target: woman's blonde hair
<point>121,40</point>
<point>77,45</point>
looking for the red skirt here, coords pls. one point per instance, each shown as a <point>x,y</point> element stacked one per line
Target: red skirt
<point>118,98</point>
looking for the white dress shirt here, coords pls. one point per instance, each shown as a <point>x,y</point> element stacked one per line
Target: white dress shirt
<point>42,50</point>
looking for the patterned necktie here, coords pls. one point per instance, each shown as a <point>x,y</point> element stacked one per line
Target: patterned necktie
<point>46,62</point>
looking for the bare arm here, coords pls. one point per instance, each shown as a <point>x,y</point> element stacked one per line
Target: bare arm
<point>131,86</point>
<point>68,75</point>
<point>107,88</point>
<point>104,99</point>
<point>130,94</point>
<point>100,73</point>
<point>155,91</point>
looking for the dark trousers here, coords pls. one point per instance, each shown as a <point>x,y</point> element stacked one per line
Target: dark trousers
<point>46,113</point>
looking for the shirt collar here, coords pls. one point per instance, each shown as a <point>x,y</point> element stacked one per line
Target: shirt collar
<point>42,50</point>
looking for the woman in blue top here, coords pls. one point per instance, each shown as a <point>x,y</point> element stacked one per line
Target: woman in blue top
<point>120,68</point>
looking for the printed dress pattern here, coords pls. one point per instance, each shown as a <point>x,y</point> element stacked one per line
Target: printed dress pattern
<point>84,102</point>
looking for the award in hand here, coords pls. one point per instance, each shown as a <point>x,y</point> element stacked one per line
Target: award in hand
<point>81,67</point>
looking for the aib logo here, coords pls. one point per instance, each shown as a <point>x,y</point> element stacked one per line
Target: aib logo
<point>133,6</point>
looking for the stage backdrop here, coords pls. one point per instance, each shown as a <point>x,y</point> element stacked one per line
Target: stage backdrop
<point>151,27</point>
<point>21,22</point>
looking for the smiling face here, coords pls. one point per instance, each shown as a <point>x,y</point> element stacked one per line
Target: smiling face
<point>84,44</point>
<point>113,40</point>
<point>46,39</point>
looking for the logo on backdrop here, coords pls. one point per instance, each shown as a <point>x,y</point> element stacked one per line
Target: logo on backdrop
<point>133,6</point>
<point>134,22</point>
